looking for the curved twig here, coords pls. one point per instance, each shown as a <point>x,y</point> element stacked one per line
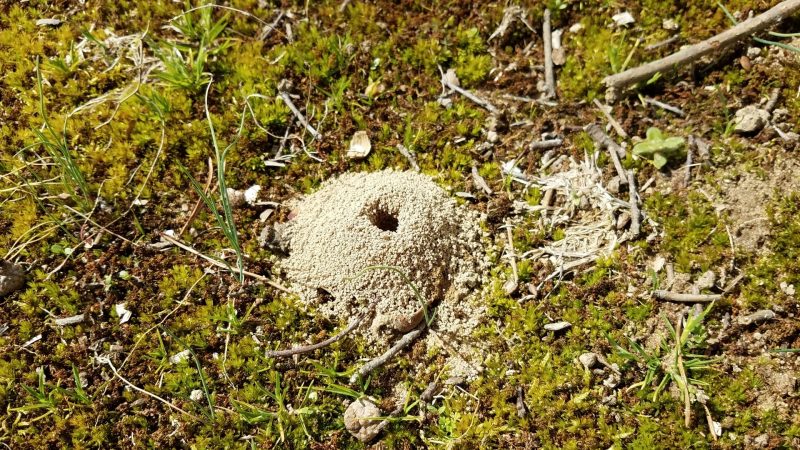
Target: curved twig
<point>318,345</point>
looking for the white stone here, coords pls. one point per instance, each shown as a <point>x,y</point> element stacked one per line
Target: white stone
<point>360,419</point>
<point>622,19</point>
<point>750,119</point>
<point>360,145</point>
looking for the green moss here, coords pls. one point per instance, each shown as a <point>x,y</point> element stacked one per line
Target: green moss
<point>693,233</point>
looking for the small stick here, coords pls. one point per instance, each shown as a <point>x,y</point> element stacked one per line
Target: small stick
<point>688,177</point>
<point>666,107</point>
<point>773,99</point>
<point>685,298</point>
<point>480,182</point>
<point>213,261</point>
<point>511,285</point>
<point>312,347</point>
<point>72,320</point>
<point>546,144</point>
<point>522,408</point>
<point>474,98</point>
<point>103,359</point>
<point>196,208</point>
<point>687,403</point>
<point>373,364</point>
<point>636,226</point>
<point>549,77</point>
<point>618,82</point>
<point>612,121</point>
<point>710,421</point>
<point>409,156</point>
<point>602,140</point>
<point>286,99</point>
<point>519,98</point>
<point>269,28</point>
<point>663,43</point>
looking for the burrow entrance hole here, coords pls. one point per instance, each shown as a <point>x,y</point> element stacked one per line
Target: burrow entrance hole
<point>382,218</point>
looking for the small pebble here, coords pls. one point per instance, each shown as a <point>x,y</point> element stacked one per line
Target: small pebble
<point>557,326</point>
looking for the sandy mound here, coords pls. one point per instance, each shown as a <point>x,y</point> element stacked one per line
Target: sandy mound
<point>355,245</point>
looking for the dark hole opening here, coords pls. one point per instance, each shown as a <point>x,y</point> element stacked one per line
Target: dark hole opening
<point>383,219</point>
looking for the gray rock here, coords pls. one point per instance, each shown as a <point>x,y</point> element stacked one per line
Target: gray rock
<point>706,281</point>
<point>557,326</point>
<point>12,278</point>
<point>588,360</point>
<point>759,316</point>
<point>750,119</point>
<point>360,420</point>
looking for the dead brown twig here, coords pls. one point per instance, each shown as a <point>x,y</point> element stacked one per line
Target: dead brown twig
<point>618,82</point>
<point>310,348</point>
<point>374,363</point>
<point>602,140</point>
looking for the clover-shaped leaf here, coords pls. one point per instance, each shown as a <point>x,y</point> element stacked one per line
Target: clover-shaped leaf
<point>657,148</point>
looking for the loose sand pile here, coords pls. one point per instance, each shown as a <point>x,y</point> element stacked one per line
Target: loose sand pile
<point>406,225</point>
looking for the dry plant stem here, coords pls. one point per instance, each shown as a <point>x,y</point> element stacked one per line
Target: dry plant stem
<point>511,254</point>
<point>602,140</point>
<point>685,298</point>
<point>663,43</point>
<point>688,177</point>
<point>687,404</point>
<point>271,27</point>
<point>618,82</point>
<point>312,347</point>
<point>213,261</point>
<point>710,422</point>
<point>180,303</point>
<point>402,343</point>
<point>611,120</point>
<point>286,99</point>
<point>196,208</point>
<point>72,320</point>
<point>480,182</point>
<point>474,98</point>
<point>138,389</point>
<point>547,36</point>
<point>773,99</point>
<point>636,217</point>
<point>543,145</point>
<point>666,107</point>
<point>409,156</point>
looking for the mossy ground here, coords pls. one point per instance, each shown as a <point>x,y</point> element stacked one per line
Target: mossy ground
<point>371,66</point>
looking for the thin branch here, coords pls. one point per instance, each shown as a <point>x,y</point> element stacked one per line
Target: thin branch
<point>688,177</point>
<point>663,43</point>
<point>511,285</point>
<point>636,227</point>
<point>611,120</point>
<point>373,364</point>
<point>196,208</point>
<point>286,99</point>
<point>602,140</point>
<point>472,97</point>
<point>312,347</point>
<point>546,144</point>
<point>222,265</point>
<point>618,82</point>
<point>666,107</point>
<point>685,298</point>
<point>549,77</point>
<point>408,155</point>
<point>138,389</point>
